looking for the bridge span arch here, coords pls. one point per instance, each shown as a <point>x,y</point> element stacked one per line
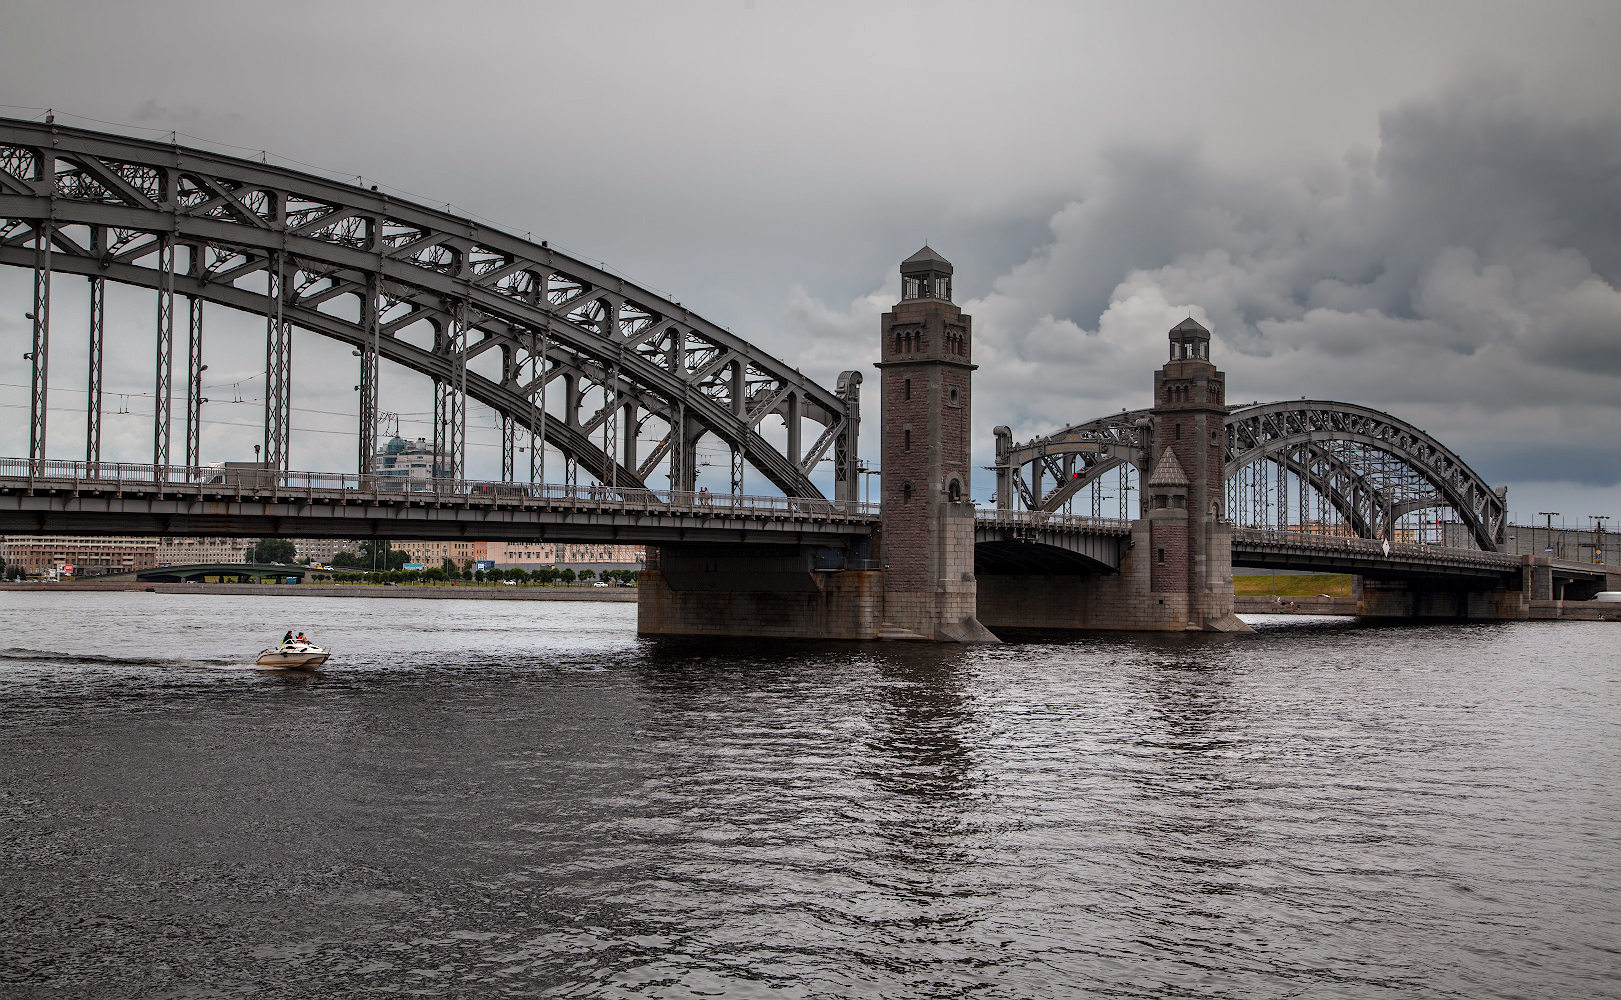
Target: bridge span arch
<point>1371,469</point>
<point>368,269</point>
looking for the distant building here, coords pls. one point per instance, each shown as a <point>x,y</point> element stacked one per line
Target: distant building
<point>193,551</point>
<point>413,462</point>
<point>536,555</point>
<point>89,556</point>
<point>321,550</point>
<point>434,554</point>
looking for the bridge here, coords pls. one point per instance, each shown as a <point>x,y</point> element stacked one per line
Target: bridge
<point>580,364</point>
<point>199,572</point>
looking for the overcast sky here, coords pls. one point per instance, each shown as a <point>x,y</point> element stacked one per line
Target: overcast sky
<point>1414,206</point>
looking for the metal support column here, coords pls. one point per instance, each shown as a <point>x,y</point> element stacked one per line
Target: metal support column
<point>456,397</point>
<point>371,321</point>
<point>98,311</point>
<point>739,450</point>
<point>540,370</point>
<point>441,428</point>
<point>610,428</point>
<point>682,460</point>
<point>41,354</point>
<point>194,385</point>
<point>792,419</point>
<point>571,417</point>
<point>278,370</point>
<point>509,447</point>
<point>632,430</point>
<point>846,478</point>
<point>163,394</point>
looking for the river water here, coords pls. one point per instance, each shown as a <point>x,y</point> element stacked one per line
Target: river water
<point>514,798</point>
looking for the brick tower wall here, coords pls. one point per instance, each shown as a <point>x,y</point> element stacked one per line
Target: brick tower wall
<point>926,433</point>
<point>1170,537</point>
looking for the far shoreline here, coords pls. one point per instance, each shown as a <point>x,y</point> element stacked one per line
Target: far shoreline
<point>460,592</point>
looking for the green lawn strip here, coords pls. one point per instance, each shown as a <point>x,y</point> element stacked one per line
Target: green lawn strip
<point>1293,585</point>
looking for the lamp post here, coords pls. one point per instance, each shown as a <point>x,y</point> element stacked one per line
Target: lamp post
<point>1550,515</point>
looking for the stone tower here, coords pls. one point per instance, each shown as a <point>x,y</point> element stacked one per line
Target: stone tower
<point>928,518</point>
<point>1190,550</point>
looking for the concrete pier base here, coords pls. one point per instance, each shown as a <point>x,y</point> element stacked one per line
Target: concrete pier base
<point>848,604</point>
<point>1124,601</point>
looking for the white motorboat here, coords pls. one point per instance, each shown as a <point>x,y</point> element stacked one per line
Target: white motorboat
<point>293,656</point>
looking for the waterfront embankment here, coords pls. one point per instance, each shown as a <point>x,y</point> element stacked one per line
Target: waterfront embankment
<point>459,593</point>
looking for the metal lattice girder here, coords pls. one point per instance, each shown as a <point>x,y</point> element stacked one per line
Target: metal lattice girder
<point>332,239</point>
<point>278,365</point>
<point>163,394</point>
<point>194,384</point>
<point>1340,441</point>
<point>369,321</point>
<point>40,356</point>
<point>98,311</point>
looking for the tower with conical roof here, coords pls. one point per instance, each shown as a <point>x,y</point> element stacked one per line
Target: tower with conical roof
<point>1191,550</point>
<point>926,358</point>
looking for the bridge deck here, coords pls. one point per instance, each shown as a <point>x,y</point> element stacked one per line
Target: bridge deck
<point>74,498</point>
<point>1269,549</point>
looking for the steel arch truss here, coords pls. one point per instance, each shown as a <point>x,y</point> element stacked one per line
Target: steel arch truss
<point>1370,466</point>
<point>1379,467</point>
<point>373,271</point>
<point>1074,457</point>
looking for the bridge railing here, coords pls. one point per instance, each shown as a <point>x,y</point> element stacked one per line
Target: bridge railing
<point>250,482</point>
<point>1042,519</point>
<point>1373,547</point>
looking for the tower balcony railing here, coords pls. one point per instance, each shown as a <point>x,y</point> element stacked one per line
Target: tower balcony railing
<point>214,483</point>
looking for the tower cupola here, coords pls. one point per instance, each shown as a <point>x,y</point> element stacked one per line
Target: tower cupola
<point>927,275</point>
<point>1190,341</point>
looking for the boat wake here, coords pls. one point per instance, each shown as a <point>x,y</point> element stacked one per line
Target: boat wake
<point>19,654</point>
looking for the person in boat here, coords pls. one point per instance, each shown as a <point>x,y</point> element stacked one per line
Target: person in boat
<point>301,638</point>
<point>288,638</point>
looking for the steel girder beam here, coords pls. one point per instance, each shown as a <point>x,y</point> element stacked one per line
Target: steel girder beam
<point>243,212</point>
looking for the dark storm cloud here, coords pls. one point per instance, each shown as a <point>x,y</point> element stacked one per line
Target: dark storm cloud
<point>1464,275</point>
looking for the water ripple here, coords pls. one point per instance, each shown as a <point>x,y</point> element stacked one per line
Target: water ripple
<point>504,798</point>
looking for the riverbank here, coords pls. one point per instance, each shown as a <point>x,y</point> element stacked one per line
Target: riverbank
<point>1583,611</point>
<point>457,593</point>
